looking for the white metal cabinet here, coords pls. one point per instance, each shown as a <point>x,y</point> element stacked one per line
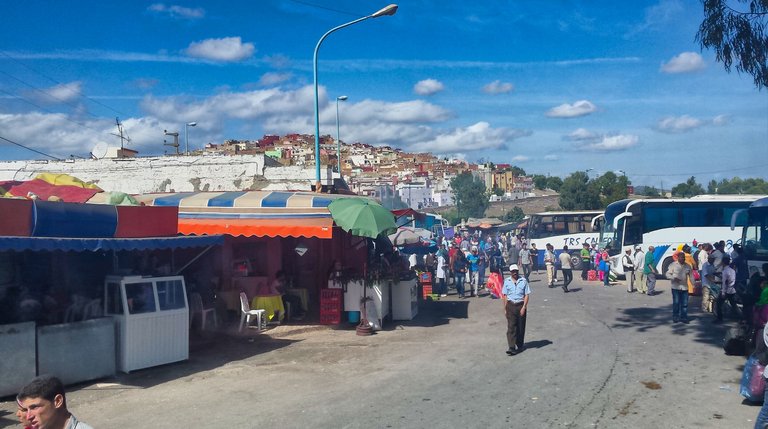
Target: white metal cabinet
<point>151,317</point>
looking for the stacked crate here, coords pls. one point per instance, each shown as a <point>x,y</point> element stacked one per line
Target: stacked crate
<point>426,284</point>
<point>330,306</point>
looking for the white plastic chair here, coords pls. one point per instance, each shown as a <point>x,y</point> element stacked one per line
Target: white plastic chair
<point>246,313</point>
<point>93,309</point>
<point>196,305</point>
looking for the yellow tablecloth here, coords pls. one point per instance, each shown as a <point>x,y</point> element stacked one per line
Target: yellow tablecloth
<point>270,304</point>
<point>303,295</point>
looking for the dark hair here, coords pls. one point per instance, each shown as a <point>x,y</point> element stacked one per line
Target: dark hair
<point>726,260</point>
<point>44,386</point>
<point>565,247</point>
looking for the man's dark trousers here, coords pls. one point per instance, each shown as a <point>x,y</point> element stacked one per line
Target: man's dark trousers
<point>515,325</point>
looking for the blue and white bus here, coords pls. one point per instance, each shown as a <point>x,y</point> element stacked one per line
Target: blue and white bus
<point>567,228</point>
<point>755,235</point>
<point>667,223</point>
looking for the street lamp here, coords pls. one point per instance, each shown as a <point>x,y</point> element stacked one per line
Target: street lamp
<point>186,135</point>
<point>389,10</point>
<point>338,136</point>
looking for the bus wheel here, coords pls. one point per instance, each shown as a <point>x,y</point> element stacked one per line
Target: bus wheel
<point>576,262</point>
<point>665,267</point>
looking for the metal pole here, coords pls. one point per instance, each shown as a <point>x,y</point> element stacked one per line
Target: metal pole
<point>186,139</point>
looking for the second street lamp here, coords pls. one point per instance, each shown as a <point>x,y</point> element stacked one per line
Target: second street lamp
<point>389,10</point>
<point>338,135</point>
<point>186,135</point>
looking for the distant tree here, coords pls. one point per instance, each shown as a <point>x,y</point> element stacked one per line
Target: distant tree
<point>497,191</point>
<point>469,195</point>
<point>612,188</point>
<point>515,215</point>
<point>737,36</point>
<point>452,217</point>
<point>554,183</point>
<point>517,171</point>
<point>738,186</point>
<point>579,193</point>
<point>540,181</point>
<point>687,189</point>
<point>651,191</point>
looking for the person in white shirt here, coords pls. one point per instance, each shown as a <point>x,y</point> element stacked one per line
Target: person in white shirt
<point>566,268</point>
<point>629,270</point>
<point>727,290</point>
<point>639,258</point>
<point>549,263</point>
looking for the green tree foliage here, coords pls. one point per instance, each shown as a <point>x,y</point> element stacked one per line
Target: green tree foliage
<point>497,191</point>
<point>612,188</point>
<point>737,36</point>
<point>517,171</point>
<point>515,215</point>
<point>540,181</point>
<point>554,183</point>
<point>738,186</point>
<point>469,195</point>
<point>451,216</point>
<point>651,191</point>
<point>687,189</point>
<point>579,193</point>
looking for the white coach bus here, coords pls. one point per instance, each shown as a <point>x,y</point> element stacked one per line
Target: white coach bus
<point>667,223</point>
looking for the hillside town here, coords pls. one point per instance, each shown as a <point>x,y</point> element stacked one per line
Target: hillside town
<point>420,180</point>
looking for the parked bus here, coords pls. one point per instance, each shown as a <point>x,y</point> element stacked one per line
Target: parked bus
<point>667,223</point>
<point>572,228</point>
<point>754,235</point>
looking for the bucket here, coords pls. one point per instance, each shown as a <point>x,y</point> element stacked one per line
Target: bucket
<point>353,316</point>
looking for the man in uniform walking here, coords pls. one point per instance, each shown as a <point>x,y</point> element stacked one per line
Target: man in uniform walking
<point>515,293</point>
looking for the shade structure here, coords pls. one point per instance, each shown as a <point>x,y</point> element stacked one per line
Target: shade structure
<point>104,244</point>
<point>251,213</point>
<point>362,217</point>
<point>406,235</point>
<point>421,248</point>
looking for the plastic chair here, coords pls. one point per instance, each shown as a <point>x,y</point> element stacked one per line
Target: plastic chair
<point>93,309</point>
<point>196,307</point>
<point>246,313</point>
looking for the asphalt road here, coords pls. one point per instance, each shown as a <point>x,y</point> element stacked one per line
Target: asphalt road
<point>595,358</point>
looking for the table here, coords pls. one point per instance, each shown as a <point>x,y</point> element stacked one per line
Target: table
<point>303,295</point>
<point>270,304</point>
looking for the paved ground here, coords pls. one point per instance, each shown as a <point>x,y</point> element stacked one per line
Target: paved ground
<point>596,358</point>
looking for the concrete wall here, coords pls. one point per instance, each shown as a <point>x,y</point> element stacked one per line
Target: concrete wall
<point>17,356</point>
<point>171,173</point>
<point>79,351</point>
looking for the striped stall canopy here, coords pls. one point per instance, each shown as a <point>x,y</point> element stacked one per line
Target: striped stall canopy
<point>250,213</point>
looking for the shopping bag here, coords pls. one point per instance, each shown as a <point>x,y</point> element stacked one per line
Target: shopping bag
<point>752,381</point>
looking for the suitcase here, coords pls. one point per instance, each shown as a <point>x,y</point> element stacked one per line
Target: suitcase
<point>592,275</point>
<point>735,342</point>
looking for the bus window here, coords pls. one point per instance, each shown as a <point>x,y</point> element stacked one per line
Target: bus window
<point>659,217</point>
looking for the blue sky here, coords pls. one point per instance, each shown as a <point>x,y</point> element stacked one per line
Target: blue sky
<point>552,87</point>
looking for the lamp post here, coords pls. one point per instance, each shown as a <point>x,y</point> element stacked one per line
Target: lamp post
<point>338,135</point>
<point>389,10</point>
<point>186,135</point>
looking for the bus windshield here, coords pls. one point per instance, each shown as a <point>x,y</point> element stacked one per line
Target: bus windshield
<point>755,234</point>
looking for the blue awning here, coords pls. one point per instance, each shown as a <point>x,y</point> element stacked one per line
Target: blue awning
<point>103,244</point>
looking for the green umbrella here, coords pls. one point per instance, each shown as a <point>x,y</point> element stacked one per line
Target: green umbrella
<point>362,217</point>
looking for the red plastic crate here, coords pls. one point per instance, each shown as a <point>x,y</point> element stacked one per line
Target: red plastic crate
<point>330,318</point>
<point>426,290</point>
<point>425,277</point>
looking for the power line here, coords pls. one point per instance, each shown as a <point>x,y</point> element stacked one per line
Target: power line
<point>29,148</point>
<point>49,111</point>
<point>699,172</point>
<point>5,54</point>
<point>317,6</point>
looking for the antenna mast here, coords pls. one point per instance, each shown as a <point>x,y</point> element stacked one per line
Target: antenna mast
<point>121,133</point>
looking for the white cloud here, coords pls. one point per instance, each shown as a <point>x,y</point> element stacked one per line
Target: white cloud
<point>498,87</point>
<point>175,11</point>
<point>581,134</point>
<point>472,138</point>
<point>686,62</point>
<point>614,143</point>
<point>428,87</point>
<point>591,140</point>
<point>62,93</point>
<point>272,78</point>
<point>721,120</point>
<point>579,108</point>
<point>678,124</point>
<point>551,157</point>
<point>224,49</point>
<point>145,83</point>
<point>520,158</point>
<point>656,17</point>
